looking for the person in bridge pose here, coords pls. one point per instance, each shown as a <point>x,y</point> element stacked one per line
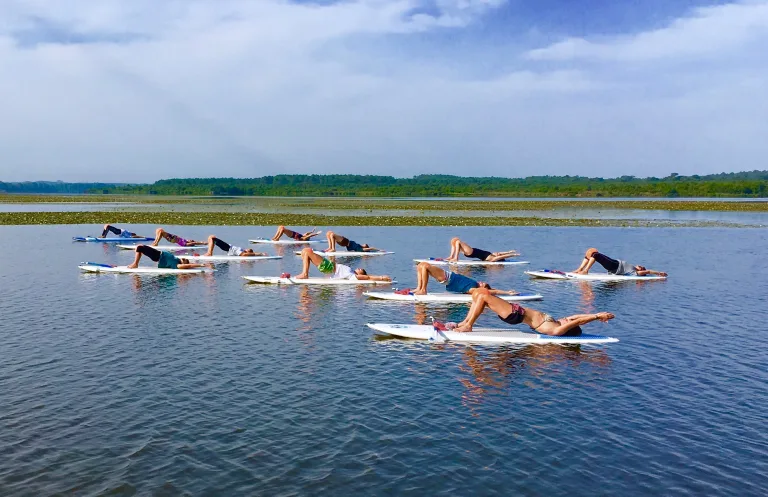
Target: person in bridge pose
<point>613,266</point>
<point>334,269</point>
<point>459,247</point>
<point>282,230</point>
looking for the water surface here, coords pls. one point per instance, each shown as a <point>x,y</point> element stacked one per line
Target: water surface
<point>117,384</point>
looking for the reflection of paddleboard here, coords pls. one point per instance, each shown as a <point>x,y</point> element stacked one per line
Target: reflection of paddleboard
<point>104,268</point>
<point>346,253</point>
<point>282,242</point>
<point>276,280</point>
<point>167,248</point>
<point>481,335</point>
<point>119,239</point>
<point>560,275</point>
<point>235,258</point>
<point>446,297</point>
<point>443,262</point>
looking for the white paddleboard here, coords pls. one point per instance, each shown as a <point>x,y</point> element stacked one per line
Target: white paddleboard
<point>276,280</point>
<point>346,253</point>
<point>481,335</point>
<point>282,242</point>
<point>560,275</point>
<point>167,248</point>
<point>235,258</point>
<point>91,268</point>
<point>443,262</point>
<point>446,297</point>
<point>119,239</point>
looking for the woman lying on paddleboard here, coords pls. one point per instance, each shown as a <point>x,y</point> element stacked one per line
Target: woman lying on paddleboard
<point>108,228</point>
<point>460,247</point>
<point>337,271</point>
<point>539,321</point>
<point>160,233</point>
<point>164,260</point>
<point>230,249</point>
<point>351,245</point>
<point>613,266</point>
<point>454,282</point>
<point>282,230</point>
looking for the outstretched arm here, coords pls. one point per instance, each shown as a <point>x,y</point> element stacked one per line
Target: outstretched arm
<point>503,292</point>
<point>577,320</point>
<point>190,266</point>
<point>372,277</point>
<point>649,271</point>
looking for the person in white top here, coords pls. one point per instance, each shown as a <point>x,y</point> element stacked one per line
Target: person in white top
<point>230,249</point>
<point>336,271</point>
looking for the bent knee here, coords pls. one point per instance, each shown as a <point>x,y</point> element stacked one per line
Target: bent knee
<point>281,227</point>
<point>481,294</point>
<point>159,230</point>
<point>422,265</point>
<point>455,239</point>
<point>306,250</point>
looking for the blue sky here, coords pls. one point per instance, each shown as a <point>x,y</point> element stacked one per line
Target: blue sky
<point>140,90</point>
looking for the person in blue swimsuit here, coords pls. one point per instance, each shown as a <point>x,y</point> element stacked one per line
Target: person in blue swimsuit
<point>108,228</point>
<point>454,282</point>
<point>164,259</point>
<point>350,245</point>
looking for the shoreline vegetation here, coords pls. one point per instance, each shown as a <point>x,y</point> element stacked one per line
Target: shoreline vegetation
<point>747,184</point>
<point>374,204</point>
<point>272,219</point>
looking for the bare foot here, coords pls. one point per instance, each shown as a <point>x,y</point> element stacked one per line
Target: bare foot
<point>132,266</point>
<point>462,328</point>
<point>419,292</point>
<point>301,277</point>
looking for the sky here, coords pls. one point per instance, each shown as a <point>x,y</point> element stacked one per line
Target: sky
<point>141,90</point>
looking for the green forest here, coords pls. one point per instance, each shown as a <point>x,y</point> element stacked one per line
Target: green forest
<point>744,184</point>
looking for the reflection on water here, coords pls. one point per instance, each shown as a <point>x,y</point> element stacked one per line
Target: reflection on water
<point>485,373</point>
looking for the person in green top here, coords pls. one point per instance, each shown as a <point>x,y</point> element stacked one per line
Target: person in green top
<point>164,259</point>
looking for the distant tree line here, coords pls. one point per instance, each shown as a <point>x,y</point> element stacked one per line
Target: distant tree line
<point>55,187</point>
<point>743,184</point>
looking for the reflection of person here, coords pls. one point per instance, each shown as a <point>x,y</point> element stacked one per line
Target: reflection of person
<point>453,281</point>
<point>613,266</point>
<point>108,228</point>
<point>160,233</point>
<point>337,271</point>
<point>230,249</point>
<point>351,245</point>
<point>539,321</point>
<point>460,247</point>
<point>282,230</point>
<point>164,260</point>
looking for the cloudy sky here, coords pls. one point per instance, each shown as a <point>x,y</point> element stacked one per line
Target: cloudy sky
<point>140,90</point>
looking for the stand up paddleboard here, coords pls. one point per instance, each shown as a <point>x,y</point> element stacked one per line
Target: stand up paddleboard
<point>553,274</point>
<point>481,335</point>
<point>346,253</point>
<point>235,258</point>
<point>119,239</point>
<point>167,248</point>
<point>446,297</point>
<point>276,280</point>
<point>92,267</point>
<point>443,262</point>
<point>282,242</point>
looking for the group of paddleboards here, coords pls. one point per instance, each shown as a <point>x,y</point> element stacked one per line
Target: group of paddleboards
<point>185,256</point>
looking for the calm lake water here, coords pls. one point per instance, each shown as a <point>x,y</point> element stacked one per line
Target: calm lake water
<point>204,385</point>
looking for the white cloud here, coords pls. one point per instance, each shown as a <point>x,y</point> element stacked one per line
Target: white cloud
<point>243,88</point>
<point>709,31</point>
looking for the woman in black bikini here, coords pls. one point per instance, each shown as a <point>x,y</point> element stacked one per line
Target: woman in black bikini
<point>460,247</point>
<point>538,321</point>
